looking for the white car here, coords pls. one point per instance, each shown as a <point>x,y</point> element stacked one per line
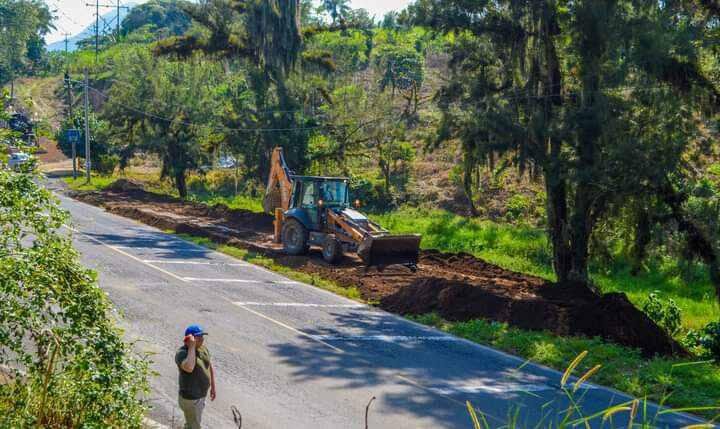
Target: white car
<point>17,159</point>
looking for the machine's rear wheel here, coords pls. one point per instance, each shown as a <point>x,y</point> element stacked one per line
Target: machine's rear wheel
<point>294,237</point>
<point>332,250</point>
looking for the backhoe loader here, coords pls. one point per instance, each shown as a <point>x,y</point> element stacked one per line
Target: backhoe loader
<point>315,210</point>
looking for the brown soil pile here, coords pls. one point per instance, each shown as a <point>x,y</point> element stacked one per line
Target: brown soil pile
<point>49,152</point>
<point>457,286</point>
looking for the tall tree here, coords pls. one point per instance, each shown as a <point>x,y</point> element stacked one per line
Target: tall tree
<point>597,95</point>
<point>23,23</point>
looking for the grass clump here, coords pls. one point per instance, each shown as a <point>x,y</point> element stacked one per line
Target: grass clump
<point>679,383</point>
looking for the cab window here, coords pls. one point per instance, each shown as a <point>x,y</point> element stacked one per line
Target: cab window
<point>308,199</point>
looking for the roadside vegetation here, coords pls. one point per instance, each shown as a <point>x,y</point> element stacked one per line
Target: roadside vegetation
<point>63,362</point>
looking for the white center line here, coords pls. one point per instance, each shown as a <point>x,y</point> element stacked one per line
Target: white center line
<point>133,257</point>
<point>165,249</point>
<point>298,304</point>
<point>195,279</point>
<point>286,326</point>
<point>494,388</point>
<point>386,338</point>
<point>165,261</point>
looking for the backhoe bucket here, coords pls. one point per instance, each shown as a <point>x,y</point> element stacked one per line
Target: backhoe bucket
<point>390,249</point>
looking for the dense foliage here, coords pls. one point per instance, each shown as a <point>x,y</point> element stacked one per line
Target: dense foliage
<point>23,24</point>
<point>64,362</point>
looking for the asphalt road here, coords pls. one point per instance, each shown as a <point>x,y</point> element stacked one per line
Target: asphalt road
<point>290,355</point>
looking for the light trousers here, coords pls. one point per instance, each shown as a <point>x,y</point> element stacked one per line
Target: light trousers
<point>193,409</point>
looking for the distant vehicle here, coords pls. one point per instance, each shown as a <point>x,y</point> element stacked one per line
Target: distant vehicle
<point>227,161</point>
<point>17,159</point>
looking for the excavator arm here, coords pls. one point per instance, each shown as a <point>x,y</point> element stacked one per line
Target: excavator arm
<point>279,187</point>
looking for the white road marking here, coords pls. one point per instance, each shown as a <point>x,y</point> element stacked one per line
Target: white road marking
<point>165,261</point>
<point>288,282</point>
<point>386,338</point>
<point>298,304</point>
<point>167,249</point>
<point>133,257</point>
<point>494,388</point>
<point>297,331</point>
<point>196,279</point>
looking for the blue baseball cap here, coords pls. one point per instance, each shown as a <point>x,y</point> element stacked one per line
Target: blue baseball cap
<point>195,331</point>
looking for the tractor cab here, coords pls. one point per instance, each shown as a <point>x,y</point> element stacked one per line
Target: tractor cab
<point>312,195</point>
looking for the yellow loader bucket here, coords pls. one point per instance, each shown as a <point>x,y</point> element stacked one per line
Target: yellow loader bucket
<point>390,249</point>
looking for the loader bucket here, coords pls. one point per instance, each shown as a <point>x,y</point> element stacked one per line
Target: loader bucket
<point>390,249</point>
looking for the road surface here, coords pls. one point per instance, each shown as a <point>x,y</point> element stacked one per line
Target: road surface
<point>290,355</point>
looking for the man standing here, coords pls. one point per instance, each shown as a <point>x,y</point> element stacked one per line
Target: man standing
<point>196,376</point>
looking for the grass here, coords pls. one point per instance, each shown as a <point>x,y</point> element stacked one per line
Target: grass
<point>98,183</point>
<point>526,249</point>
<point>678,383</point>
<point>152,184</point>
<point>263,261</point>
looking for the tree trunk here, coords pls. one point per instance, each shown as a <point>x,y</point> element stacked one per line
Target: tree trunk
<point>467,187</point>
<point>180,183</point>
<point>557,216</point>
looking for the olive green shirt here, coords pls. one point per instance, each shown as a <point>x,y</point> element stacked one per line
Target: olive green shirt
<point>195,384</point>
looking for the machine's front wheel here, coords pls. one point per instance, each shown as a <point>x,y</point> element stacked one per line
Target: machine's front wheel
<point>294,237</point>
<point>332,250</point>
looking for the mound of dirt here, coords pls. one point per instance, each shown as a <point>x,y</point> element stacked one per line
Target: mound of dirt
<point>576,311</point>
<point>458,286</point>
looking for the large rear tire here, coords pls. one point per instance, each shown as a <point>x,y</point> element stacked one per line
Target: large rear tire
<point>332,250</point>
<point>294,237</point>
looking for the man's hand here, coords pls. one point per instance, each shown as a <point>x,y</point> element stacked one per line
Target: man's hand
<point>212,393</point>
<point>188,365</point>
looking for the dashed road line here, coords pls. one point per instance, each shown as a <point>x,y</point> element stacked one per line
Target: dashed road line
<point>387,338</point>
<point>199,279</point>
<point>165,249</point>
<point>298,304</point>
<point>286,326</point>
<point>133,257</point>
<point>165,261</point>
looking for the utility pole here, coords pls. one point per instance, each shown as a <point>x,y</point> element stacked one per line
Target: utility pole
<point>97,43</point>
<point>97,7</point>
<point>68,88</point>
<point>118,20</point>
<point>87,126</point>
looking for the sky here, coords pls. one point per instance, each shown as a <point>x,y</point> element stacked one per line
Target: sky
<point>73,15</point>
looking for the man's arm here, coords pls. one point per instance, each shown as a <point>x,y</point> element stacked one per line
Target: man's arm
<point>188,365</point>
<point>212,383</point>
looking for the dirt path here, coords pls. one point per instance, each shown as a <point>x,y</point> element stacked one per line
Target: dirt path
<point>457,286</point>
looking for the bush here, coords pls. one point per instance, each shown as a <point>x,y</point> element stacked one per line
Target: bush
<point>518,206</point>
<point>106,164</point>
<point>371,195</point>
<point>196,184</point>
<point>704,342</point>
<point>70,365</point>
<point>665,313</point>
<point>220,182</point>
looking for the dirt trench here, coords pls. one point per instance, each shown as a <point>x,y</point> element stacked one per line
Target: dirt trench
<point>459,287</point>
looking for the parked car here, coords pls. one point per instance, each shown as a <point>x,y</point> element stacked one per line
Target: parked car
<point>17,159</point>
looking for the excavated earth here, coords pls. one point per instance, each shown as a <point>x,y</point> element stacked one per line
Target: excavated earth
<point>459,287</point>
